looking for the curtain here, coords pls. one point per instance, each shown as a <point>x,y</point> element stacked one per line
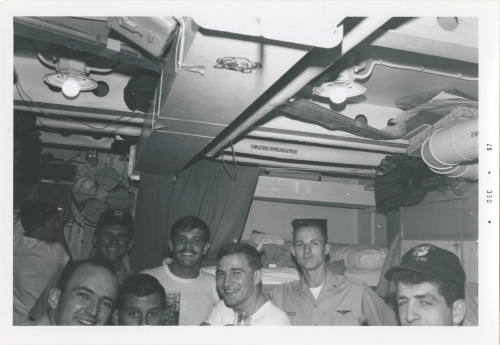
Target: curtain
<point>150,220</point>
<point>220,196</point>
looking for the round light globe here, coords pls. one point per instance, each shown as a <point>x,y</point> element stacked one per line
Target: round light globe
<point>70,88</point>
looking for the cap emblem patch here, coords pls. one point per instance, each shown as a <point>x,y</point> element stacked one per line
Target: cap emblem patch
<point>420,253</point>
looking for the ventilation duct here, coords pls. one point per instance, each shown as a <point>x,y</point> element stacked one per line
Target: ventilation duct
<point>450,151</point>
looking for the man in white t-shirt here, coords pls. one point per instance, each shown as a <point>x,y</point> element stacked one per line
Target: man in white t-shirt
<point>239,282</point>
<point>191,289</point>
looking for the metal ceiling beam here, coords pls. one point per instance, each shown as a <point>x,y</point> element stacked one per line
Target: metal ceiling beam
<point>41,30</point>
<point>308,68</point>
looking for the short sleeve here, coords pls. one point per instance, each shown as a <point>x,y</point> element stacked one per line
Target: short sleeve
<point>377,313</point>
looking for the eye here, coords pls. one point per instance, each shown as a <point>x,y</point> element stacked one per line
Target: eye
<point>425,302</point>
<point>107,304</point>
<point>299,245</point>
<point>154,313</point>
<point>133,314</point>
<point>402,302</point>
<point>83,295</point>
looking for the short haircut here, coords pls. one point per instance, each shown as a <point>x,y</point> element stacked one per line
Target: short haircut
<point>190,223</point>
<point>36,212</point>
<point>72,266</point>
<point>451,291</point>
<point>115,217</point>
<point>140,285</point>
<point>317,223</point>
<point>254,258</point>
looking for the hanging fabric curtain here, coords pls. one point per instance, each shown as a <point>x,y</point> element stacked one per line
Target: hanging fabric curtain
<point>151,220</point>
<point>220,196</point>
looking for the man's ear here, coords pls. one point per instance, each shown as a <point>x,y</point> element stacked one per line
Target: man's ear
<point>54,297</point>
<point>206,248</point>
<point>170,246</point>
<point>130,245</point>
<point>327,248</point>
<point>257,277</point>
<point>458,310</point>
<point>292,250</point>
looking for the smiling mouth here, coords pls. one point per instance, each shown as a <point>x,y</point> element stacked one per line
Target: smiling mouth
<point>85,322</point>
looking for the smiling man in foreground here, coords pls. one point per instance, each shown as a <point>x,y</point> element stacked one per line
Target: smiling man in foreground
<point>84,296</point>
<point>239,283</point>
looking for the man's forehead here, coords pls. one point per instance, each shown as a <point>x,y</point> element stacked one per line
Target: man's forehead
<point>420,289</point>
<point>93,277</point>
<point>233,261</point>
<point>153,299</point>
<point>308,232</point>
<point>190,232</point>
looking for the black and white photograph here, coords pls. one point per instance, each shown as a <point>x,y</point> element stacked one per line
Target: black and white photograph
<point>297,167</point>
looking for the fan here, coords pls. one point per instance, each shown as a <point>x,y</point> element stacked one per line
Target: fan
<point>97,190</point>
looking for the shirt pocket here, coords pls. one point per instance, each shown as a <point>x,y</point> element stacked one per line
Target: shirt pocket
<point>344,318</point>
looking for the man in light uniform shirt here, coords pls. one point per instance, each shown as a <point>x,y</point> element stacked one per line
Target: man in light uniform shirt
<point>321,297</point>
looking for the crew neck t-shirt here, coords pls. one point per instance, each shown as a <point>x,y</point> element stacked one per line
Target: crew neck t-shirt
<point>198,296</point>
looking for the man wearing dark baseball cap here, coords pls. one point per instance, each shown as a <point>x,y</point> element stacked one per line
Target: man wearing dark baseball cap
<point>430,286</point>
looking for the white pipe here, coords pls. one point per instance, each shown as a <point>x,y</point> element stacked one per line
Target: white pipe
<point>94,127</point>
<point>76,140</point>
<point>455,144</point>
<point>82,114</point>
<point>304,167</point>
<point>345,142</point>
<point>300,152</point>
<point>422,69</point>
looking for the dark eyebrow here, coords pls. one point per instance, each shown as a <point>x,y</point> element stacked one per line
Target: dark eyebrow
<point>426,296</point>
<point>79,288</point>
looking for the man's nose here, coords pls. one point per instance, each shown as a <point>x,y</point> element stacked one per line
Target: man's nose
<point>412,314</point>
<point>307,248</point>
<point>227,281</point>
<point>93,307</point>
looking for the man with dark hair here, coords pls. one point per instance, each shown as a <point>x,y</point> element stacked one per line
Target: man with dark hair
<point>84,296</point>
<point>239,283</point>
<point>321,297</point>
<point>38,254</point>
<point>141,301</point>
<point>181,275</point>
<point>113,238</point>
<point>430,285</point>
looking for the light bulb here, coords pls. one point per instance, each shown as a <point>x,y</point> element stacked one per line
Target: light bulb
<point>70,88</point>
<point>338,97</point>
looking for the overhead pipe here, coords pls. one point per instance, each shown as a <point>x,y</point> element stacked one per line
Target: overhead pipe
<point>83,114</point>
<point>450,151</point>
<point>359,172</point>
<point>92,127</point>
<point>323,61</point>
<point>82,141</point>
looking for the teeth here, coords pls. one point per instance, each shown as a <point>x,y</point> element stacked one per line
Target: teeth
<point>86,322</point>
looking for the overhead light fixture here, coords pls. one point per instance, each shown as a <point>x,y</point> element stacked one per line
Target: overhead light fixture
<point>71,76</point>
<point>344,87</point>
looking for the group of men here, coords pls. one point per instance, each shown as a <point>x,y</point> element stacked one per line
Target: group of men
<point>430,285</point>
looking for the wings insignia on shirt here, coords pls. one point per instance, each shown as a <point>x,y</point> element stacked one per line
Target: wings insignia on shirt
<point>343,311</point>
